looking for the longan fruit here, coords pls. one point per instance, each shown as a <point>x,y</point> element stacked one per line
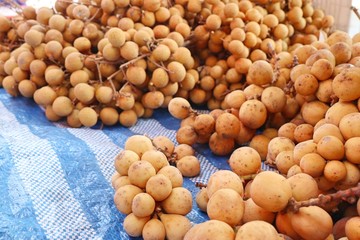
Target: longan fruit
<point>274,99</point>
<point>153,100</point>
<point>312,164</point>
<point>53,50</point>
<point>303,222</point>
<point>352,230</point>
<point>176,71</point>
<point>37,67</point>
<point>4,23</point>
<point>19,75</point>
<point>349,125</point>
<point>178,202</point>
<point>157,159</point>
<point>334,170</point>
<point>179,108</point>
<point>176,225</point>
<point>284,161</point>
<point>27,88</point>
<point>245,161</point>
<point>306,84</point>
<point>186,135</point>
<point>62,106</point>
<point>277,145</point>
<point>54,77</point>
<point>143,205</point>
<point>303,132</point>
<point>260,73</point>
<point>142,37</point>
<point>109,116</point>
<point>57,22</point>
<point>24,60</point>
<point>253,91</point>
<point>287,130</point>
<point>270,185</point>
<point>76,27</point>
<point>88,117</point>
<point>74,61</point>
<point>10,85</point>
<point>81,12</point>
<point>44,14</point>
<point>136,75</point>
<point>44,95</point>
<point>325,130</point>
<point>352,176</point>
<point>189,166</point>
<point>111,53</point>
<point>342,52</point>
<point>128,118</point>
<point>50,114</point>
<point>253,113</point>
<point>235,99</point>
<point>221,146</point>
<point>253,212</point>
<point>227,125</point>
<point>84,92</point>
<point>345,83</point>
<point>116,36</point>
<point>204,124</point>
<point>271,20</point>
<point>231,211</point>
<point>125,101</point>
<point>313,111</point>
<point>337,111</point>
<point>352,150</point>
<point>280,31</point>
<point>153,229</point>
<point>161,53</point>
<point>129,50</point>
<point>253,15</point>
<point>322,69</point>
<point>303,186</point>
<point>325,91</point>
<point>260,144</point>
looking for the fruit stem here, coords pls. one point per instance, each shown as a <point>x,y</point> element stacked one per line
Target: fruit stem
<point>341,195</point>
<point>200,185</point>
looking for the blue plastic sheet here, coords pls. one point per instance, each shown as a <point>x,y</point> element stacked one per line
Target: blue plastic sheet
<point>55,181</point>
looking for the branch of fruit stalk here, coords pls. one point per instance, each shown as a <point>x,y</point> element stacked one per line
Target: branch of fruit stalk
<point>350,195</point>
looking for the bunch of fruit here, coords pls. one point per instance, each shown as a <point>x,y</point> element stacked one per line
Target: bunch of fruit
<point>150,191</point>
<point>117,61</point>
<point>282,87</point>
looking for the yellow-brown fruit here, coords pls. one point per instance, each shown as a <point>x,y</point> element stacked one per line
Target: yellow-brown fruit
<point>253,113</point>
<point>260,73</point>
<point>257,229</point>
<point>245,161</point>
<point>312,223</point>
<point>270,191</point>
<point>346,84</point>
<point>210,229</point>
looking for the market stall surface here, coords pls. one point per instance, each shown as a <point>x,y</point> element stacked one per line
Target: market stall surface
<point>55,181</point>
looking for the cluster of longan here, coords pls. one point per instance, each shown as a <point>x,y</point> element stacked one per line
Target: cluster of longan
<point>262,208</point>
<point>119,60</point>
<point>150,191</point>
<point>79,65</point>
<point>237,33</point>
<point>315,151</point>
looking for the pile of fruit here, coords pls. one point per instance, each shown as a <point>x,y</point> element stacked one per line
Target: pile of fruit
<point>117,61</point>
<point>281,84</point>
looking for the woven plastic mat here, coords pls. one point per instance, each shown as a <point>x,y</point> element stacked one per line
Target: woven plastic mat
<point>55,181</point>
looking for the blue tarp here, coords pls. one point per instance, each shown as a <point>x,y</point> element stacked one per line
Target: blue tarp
<point>55,181</point>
